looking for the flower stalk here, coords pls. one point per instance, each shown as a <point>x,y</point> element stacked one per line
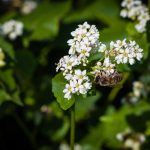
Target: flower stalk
<point>72,128</point>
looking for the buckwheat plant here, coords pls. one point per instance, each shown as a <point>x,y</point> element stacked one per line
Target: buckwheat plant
<point>85,40</point>
<point>12,29</point>
<point>77,67</point>
<point>136,11</point>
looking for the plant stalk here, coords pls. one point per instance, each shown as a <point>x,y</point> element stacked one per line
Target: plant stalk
<point>72,128</point>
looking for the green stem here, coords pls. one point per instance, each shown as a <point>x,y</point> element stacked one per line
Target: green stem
<point>72,128</point>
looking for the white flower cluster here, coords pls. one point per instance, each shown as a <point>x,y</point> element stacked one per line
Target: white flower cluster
<point>127,52</point>
<point>28,6</point>
<point>137,91</point>
<point>131,140</point>
<point>67,63</point>
<point>135,10</point>
<point>106,66</point>
<point>137,88</point>
<point>2,57</point>
<point>12,29</point>
<point>79,83</point>
<point>84,43</point>
<point>120,52</point>
<point>85,40</point>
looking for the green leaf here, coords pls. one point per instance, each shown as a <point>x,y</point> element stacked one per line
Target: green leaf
<point>80,15</point>
<point>8,16</point>
<point>7,77</point>
<point>131,29</point>
<point>114,33</point>
<point>123,68</point>
<point>4,96</point>
<point>148,31</point>
<point>95,56</point>
<point>58,85</point>
<point>83,106</point>
<point>14,97</point>
<point>142,41</point>
<point>26,63</point>
<point>7,47</point>
<point>94,138</point>
<point>116,121</point>
<point>45,20</point>
<point>9,90</point>
<point>105,10</point>
<point>112,123</point>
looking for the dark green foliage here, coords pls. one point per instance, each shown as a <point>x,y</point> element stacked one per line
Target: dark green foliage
<point>32,101</point>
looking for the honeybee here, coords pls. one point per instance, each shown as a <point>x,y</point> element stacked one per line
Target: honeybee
<point>103,79</point>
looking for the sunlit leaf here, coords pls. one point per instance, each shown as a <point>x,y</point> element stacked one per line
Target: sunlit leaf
<point>58,85</point>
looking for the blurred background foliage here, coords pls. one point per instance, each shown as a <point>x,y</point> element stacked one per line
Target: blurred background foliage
<point>30,117</point>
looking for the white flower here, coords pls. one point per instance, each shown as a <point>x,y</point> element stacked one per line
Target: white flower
<point>79,83</point>
<point>131,61</point>
<point>80,75</point>
<point>102,48</point>
<point>99,63</point>
<point>140,27</point>
<point>83,50</point>
<point>64,146</point>
<point>124,13</point>
<point>69,89</point>
<point>131,140</point>
<point>79,88</point>
<point>67,63</point>
<point>12,29</point>
<point>85,38</point>
<point>137,88</point>
<point>111,45</point>
<point>106,61</point>
<point>127,52</point>
<point>119,44</point>
<point>108,67</point>
<point>130,3</point>
<point>119,136</point>
<point>28,6</point>
<point>87,85</point>
<point>135,10</point>
<point>68,76</point>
